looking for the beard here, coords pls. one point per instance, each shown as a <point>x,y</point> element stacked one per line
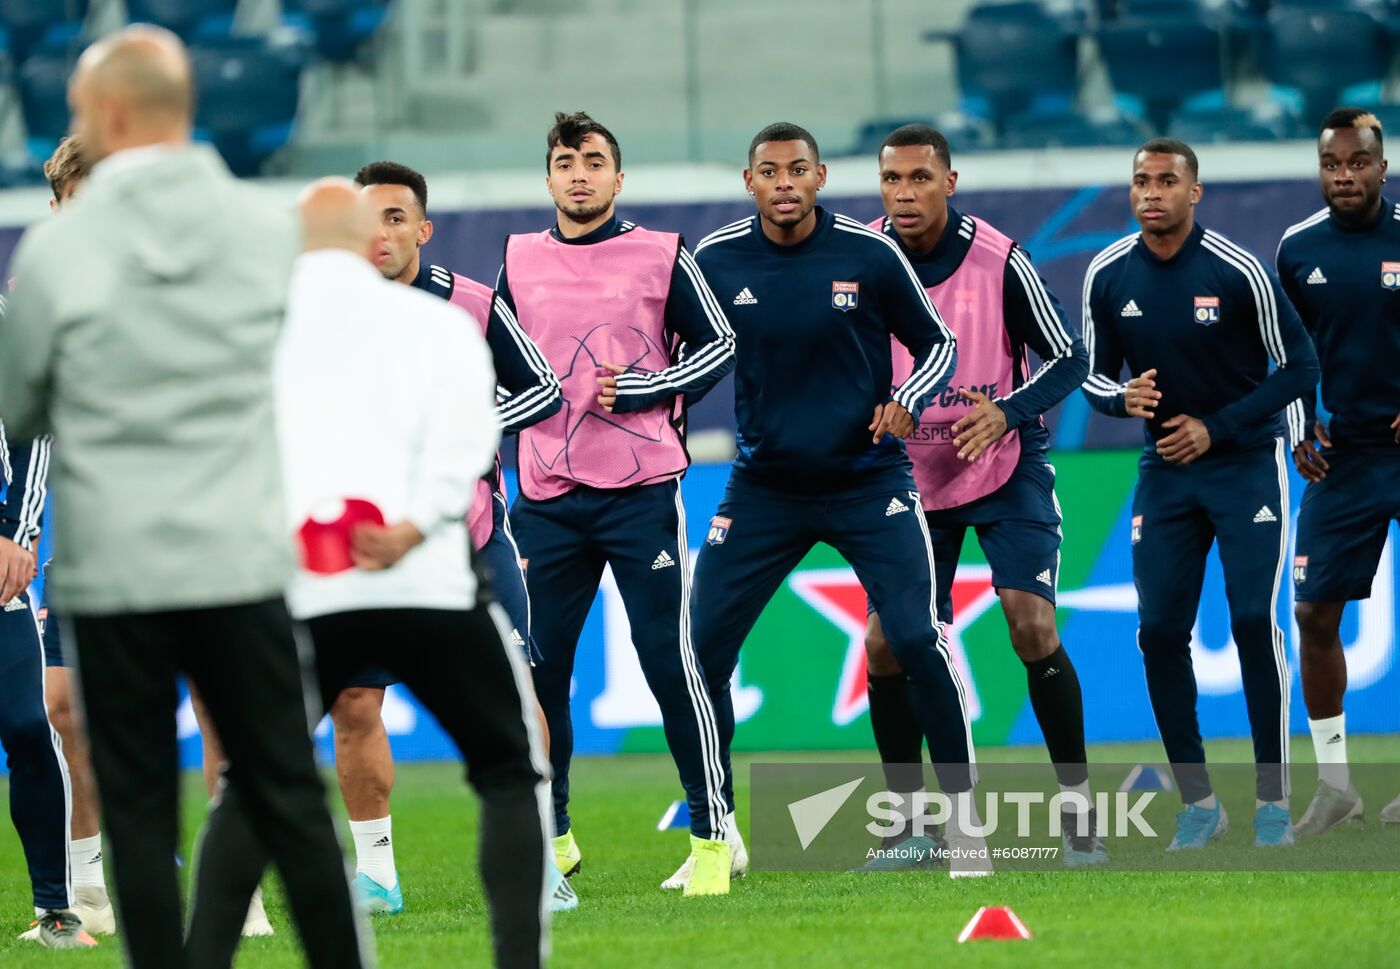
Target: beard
<point>583,211</point>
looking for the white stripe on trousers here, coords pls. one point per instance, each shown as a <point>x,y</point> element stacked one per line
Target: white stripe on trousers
<point>525,688</point>
<point>942,641</point>
<point>1280,648</point>
<point>57,742</point>
<point>705,722</point>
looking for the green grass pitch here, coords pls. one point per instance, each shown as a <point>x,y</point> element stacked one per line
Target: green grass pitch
<point>1110,919</point>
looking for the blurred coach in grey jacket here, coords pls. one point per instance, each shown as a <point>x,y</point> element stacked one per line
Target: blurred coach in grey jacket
<point>140,333</point>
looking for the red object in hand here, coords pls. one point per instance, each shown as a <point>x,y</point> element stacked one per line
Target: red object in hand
<point>994,922</point>
<point>324,542</point>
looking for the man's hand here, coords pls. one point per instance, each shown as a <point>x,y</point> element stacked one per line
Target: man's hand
<point>375,547</point>
<point>17,570</point>
<point>1187,441</point>
<point>979,429</point>
<point>608,398</point>
<point>1141,395</point>
<point>891,418</point>
<point>1309,461</point>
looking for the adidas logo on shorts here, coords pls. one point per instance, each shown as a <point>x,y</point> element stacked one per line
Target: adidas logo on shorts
<point>745,298</point>
<point>895,507</point>
<point>14,605</point>
<point>1045,577</point>
<point>1265,514</point>
<point>663,561</point>
<point>1131,309</point>
<point>1315,278</point>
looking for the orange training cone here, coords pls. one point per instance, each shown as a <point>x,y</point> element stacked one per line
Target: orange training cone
<point>994,922</point>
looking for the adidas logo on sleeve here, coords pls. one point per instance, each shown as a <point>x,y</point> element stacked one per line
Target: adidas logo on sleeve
<point>895,507</point>
<point>1315,278</point>
<point>663,561</point>
<point>1265,514</point>
<point>745,298</point>
<point>1131,309</point>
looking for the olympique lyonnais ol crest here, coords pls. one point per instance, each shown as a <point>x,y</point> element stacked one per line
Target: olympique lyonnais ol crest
<point>845,296</point>
<point>1207,310</point>
<point>1390,275</point>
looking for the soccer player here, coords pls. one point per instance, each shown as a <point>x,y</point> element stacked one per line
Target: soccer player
<point>979,453</point>
<point>624,317</point>
<point>401,591</point>
<point>816,299</point>
<point>1198,319</point>
<point>1341,268</point>
<point>66,171</point>
<point>529,394</point>
<point>40,799</point>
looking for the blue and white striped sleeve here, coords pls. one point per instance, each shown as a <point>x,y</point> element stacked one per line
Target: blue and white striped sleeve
<point>707,344</point>
<point>527,390</point>
<point>26,468</point>
<point>1105,393</point>
<point>1035,318</point>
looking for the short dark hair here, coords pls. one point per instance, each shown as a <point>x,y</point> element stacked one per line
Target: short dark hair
<point>1353,118</point>
<point>784,131</point>
<point>1171,146</point>
<point>912,135</point>
<point>392,173</point>
<point>65,167</point>
<point>569,130</point>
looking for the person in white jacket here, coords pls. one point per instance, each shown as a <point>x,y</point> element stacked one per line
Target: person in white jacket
<point>387,419</point>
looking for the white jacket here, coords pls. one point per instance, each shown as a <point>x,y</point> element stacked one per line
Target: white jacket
<point>384,393</point>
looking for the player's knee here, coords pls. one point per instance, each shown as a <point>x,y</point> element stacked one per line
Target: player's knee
<point>1318,625</point>
<point>1157,636</point>
<point>356,712</point>
<point>1253,622</point>
<point>1033,634</point>
<point>879,658</point>
<point>24,731</point>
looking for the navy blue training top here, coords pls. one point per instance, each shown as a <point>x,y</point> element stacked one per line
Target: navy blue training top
<point>1345,284</point>
<point>812,325</point>
<point>1209,319</point>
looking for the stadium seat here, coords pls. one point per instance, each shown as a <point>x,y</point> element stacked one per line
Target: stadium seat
<point>1071,129</point>
<point>1162,59</point>
<point>191,19</point>
<point>1229,123</point>
<point>41,25</point>
<point>1319,51</point>
<point>248,95</point>
<point>1009,55</point>
<point>963,133</point>
<point>43,98</point>
<point>337,27</point>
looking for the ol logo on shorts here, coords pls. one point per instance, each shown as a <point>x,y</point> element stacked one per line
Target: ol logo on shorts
<point>719,530</point>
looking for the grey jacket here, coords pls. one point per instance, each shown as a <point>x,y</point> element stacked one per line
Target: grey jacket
<point>140,333</point>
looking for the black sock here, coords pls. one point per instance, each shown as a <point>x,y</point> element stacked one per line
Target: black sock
<point>897,732</point>
<point>1059,708</point>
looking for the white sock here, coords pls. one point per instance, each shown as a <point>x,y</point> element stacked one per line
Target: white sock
<point>374,850</point>
<point>1283,804</point>
<point>1208,803</point>
<point>85,858</point>
<point>1330,744</point>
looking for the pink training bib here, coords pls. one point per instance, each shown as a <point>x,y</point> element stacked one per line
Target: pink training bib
<point>970,302</point>
<point>475,298</point>
<point>586,305</point>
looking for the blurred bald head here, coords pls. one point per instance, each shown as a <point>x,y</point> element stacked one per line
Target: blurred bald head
<point>132,89</point>
<point>335,216</point>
